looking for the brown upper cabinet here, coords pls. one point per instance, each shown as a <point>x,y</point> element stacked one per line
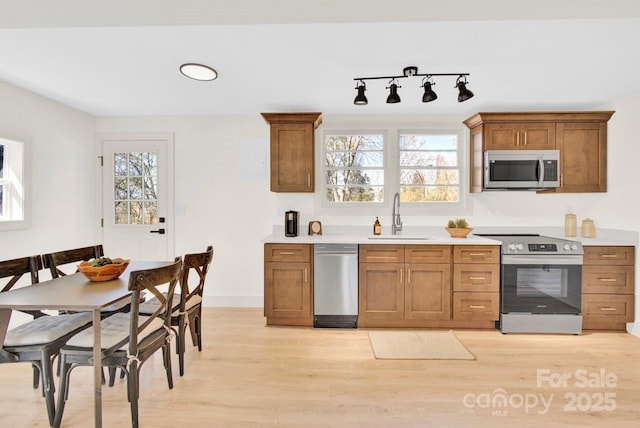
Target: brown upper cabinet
<point>292,150</point>
<point>581,138</point>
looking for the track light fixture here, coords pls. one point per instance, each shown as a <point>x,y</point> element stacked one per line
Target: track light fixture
<point>361,98</point>
<point>427,83</point>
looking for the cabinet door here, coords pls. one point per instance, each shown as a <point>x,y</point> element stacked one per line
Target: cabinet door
<point>287,290</point>
<point>381,294</point>
<point>583,157</point>
<point>520,136</point>
<point>501,136</point>
<point>292,160</point>
<point>428,291</point>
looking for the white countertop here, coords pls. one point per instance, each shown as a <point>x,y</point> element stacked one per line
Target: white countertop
<point>439,236</point>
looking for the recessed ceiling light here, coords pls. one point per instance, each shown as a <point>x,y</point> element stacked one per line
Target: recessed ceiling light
<point>198,71</point>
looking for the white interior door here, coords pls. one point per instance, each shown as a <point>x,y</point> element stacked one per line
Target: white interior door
<point>136,199</point>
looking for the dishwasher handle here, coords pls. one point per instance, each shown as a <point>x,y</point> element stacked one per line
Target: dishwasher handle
<point>335,248</point>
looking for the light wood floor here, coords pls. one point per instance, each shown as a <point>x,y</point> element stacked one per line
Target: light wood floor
<point>249,375</point>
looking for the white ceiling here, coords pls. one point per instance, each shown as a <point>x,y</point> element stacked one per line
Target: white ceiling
<point>121,57</point>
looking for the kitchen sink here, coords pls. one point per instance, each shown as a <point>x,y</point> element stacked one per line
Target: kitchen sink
<point>400,238</point>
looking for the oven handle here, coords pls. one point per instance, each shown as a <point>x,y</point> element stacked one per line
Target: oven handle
<point>541,260</point>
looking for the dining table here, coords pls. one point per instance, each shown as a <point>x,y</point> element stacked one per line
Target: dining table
<point>74,293</point>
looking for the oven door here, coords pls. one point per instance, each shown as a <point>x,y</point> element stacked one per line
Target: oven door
<point>541,284</point>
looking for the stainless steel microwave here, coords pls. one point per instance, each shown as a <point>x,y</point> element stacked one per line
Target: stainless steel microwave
<point>521,169</point>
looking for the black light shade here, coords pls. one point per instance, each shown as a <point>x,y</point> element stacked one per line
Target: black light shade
<point>464,93</point>
<point>429,94</point>
<point>393,94</point>
<point>361,99</point>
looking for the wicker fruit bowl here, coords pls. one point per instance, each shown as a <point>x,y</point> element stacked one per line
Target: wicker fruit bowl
<point>106,272</point>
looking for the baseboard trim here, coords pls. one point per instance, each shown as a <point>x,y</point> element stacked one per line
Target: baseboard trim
<point>233,301</point>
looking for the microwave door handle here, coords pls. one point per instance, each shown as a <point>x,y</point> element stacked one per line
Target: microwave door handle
<point>540,171</point>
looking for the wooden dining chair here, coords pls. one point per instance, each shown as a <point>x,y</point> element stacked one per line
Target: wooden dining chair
<point>187,312</point>
<point>58,262</point>
<point>61,263</point>
<point>128,339</point>
<point>37,341</point>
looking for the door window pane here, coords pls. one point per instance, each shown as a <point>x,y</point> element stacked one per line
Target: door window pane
<point>135,181</point>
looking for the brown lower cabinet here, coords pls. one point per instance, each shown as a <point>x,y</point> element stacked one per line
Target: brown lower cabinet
<point>608,281</point>
<point>288,284</point>
<point>412,286</point>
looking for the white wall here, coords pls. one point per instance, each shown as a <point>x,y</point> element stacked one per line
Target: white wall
<point>62,170</point>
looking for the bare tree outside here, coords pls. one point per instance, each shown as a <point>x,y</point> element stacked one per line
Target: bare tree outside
<point>354,166</point>
<point>429,168</point>
<point>135,188</point>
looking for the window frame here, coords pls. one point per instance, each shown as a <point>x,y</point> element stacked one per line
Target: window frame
<point>17,159</point>
<point>391,155</point>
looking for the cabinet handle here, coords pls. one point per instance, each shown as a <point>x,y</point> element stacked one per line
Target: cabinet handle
<point>401,270</point>
<point>286,253</point>
<point>608,256</point>
<point>476,254</point>
<point>408,276</point>
<point>308,179</point>
<point>525,138</point>
<point>305,275</point>
<point>608,280</point>
<point>476,306</point>
<point>517,138</point>
<point>609,309</point>
<point>480,278</point>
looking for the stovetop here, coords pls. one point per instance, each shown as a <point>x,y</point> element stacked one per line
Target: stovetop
<point>532,244</point>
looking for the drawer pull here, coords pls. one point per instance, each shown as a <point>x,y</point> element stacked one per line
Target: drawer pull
<point>408,276</point>
<point>380,257</point>
<point>608,309</point>
<point>286,253</point>
<point>401,270</point>
<point>477,254</point>
<point>608,256</point>
<point>476,306</point>
<point>305,275</point>
<point>608,280</point>
<point>479,278</point>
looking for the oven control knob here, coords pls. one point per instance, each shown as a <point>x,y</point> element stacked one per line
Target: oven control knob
<point>512,246</point>
<point>574,247</point>
<point>566,247</point>
<point>519,247</point>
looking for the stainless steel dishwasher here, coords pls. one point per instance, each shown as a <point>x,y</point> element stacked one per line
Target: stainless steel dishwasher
<point>335,285</point>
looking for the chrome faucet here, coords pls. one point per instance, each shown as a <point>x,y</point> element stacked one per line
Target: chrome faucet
<point>395,216</point>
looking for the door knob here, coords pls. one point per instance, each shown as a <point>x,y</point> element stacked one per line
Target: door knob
<point>160,231</point>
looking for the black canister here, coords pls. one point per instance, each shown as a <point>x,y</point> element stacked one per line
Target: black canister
<point>291,223</point>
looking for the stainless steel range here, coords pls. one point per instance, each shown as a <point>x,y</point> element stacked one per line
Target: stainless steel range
<point>541,284</point>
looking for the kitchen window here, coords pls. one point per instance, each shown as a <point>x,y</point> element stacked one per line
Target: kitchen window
<point>13,188</point>
<point>427,167</point>
<point>353,167</point>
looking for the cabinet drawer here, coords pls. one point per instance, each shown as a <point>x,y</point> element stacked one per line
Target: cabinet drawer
<point>608,307</point>
<point>608,279</point>
<point>476,277</point>
<point>609,256</point>
<point>476,254</point>
<point>427,253</point>
<point>287,252</point>
<point>381,254</point>
<point>475,306</point>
